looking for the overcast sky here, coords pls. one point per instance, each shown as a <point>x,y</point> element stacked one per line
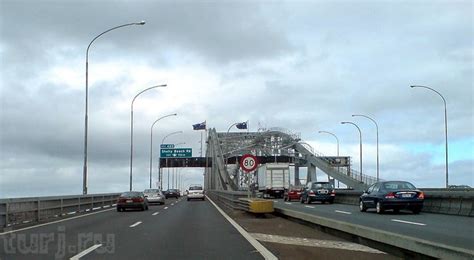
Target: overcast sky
<point>301,65</point>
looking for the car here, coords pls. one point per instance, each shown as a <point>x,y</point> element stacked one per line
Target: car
<point>392,195</point>
<point>133,200</point>
<point>154,196</point>
<point>195,192</point>
<point>172,193</point>
<point>293,193</point>
<point>318,191</point>
<point>459,187</point>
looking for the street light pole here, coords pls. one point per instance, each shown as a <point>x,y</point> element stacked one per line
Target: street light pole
<point>151,142</point>
<point>377,129</point>
<point>360,146</point>
<point>86,118</point>
<point>337,140</point>
<point>160,175</point>
<point>445,127</point>
<point>131,129</point>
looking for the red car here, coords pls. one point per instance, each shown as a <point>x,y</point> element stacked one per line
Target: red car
<point>132,200</point>
<point>293,193</point>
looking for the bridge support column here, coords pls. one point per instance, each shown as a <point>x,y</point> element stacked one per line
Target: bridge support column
<point>312,173</point>
<point>297,175</point>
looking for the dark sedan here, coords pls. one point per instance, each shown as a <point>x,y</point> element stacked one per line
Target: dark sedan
<point>132,200</point>
<point>392,195</point>
<point>172,193</point>
<point>318,191</point>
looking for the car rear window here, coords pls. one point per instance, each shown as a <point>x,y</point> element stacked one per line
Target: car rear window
<point>322,185</point>
<point>398,185</point>
<point>195,188</point>
<point>152,191</point>
<point>131,194</point>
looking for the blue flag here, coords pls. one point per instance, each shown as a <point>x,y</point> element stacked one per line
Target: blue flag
<point>242,125</point>
<point>200,126</point>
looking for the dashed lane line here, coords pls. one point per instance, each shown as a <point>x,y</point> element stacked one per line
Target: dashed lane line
<point>343,212</point>
<point>165,207</point>
<point>156,213</point>
<point>136,224</point>
<point>85,252</point>
<point>408,222</point>
<point>311,207</point>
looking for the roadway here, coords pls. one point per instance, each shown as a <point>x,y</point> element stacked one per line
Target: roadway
<point>177,230</point>
<point>457,231</point>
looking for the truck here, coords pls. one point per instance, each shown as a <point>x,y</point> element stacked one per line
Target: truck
<point>273,179</point>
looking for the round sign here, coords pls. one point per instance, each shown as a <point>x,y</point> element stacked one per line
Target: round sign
<point>248,162</point>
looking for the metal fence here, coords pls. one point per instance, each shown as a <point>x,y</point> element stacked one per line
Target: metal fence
<point>21,211</point>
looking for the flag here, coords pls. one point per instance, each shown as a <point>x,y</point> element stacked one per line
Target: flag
<point>200,126</point>
<point>242,125</point>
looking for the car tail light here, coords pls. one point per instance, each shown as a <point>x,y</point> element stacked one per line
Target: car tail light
<point>421,195</point>
<point>390,195</point>
<point>333,193</point>
<point>138,199</point>
<point>121,199</point>
<point>311,192</point>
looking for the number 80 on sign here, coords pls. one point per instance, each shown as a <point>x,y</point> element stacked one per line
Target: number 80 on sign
<point>248,163</point>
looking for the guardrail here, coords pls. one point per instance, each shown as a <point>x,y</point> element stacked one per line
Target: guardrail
<point>20,211</point>
<point>443,201</point>
<point>228,199</point>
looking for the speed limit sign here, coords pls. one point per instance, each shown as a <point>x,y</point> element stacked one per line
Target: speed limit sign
<point>248,163</point>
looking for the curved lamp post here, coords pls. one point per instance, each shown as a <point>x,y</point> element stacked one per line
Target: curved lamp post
<point>84,184</point>
<point>337,140</point>
<point>377,128</point>
<point>445,126</point>
<point>160,175</point>
<point>360,146</point>
<point>151,142</point>
<point>131,129</point>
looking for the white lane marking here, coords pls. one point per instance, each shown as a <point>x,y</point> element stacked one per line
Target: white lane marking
<point>53,222</point>
<point>289,203</point>
<point>300,241</point>
<point>408,222</point>
<point>156,213</point>
<point>136,224</point>
<point>311,207</point>
<point>85,252</point>
<point>260,248</point>
<point>343,212</point>
<point>172,204</point>
<point>166,208</point>
<point>275,201</point>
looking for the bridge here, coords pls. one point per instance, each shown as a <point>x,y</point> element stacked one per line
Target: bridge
<point>88,227</point>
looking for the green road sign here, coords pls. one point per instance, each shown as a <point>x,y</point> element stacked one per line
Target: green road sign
<point>176,153</point>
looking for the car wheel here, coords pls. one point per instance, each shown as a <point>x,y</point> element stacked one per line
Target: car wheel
<point>307,200</point>
<point>119,209</point>
<point>362,206</point>
<point>331,201</point>
<point>203,199</point>
<point>396,211</point>
<point>416,210</point>
<point>285,198</point>
<point>187,199</point>
<point>301,199</point>
<point>146,207</point>
<point>379,207</point>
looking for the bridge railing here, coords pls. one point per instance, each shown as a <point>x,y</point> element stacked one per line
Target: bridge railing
<point>21,211</point>
<point>364,178</point>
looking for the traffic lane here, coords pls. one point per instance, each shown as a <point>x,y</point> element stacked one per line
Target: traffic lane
<point>67,237</point>
<point>445,229</point>
<point>189,229</point>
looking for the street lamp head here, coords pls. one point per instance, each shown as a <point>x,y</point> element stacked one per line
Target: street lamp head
<point>141,23</point>
<point>162,85</point>
<point>417,86</point>
<point>343,122</point>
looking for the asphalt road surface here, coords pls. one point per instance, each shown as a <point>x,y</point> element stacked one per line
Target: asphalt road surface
<point>457,231</point>
<point>177,230</point>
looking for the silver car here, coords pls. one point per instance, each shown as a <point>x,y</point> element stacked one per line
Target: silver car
<point>154,196</point>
